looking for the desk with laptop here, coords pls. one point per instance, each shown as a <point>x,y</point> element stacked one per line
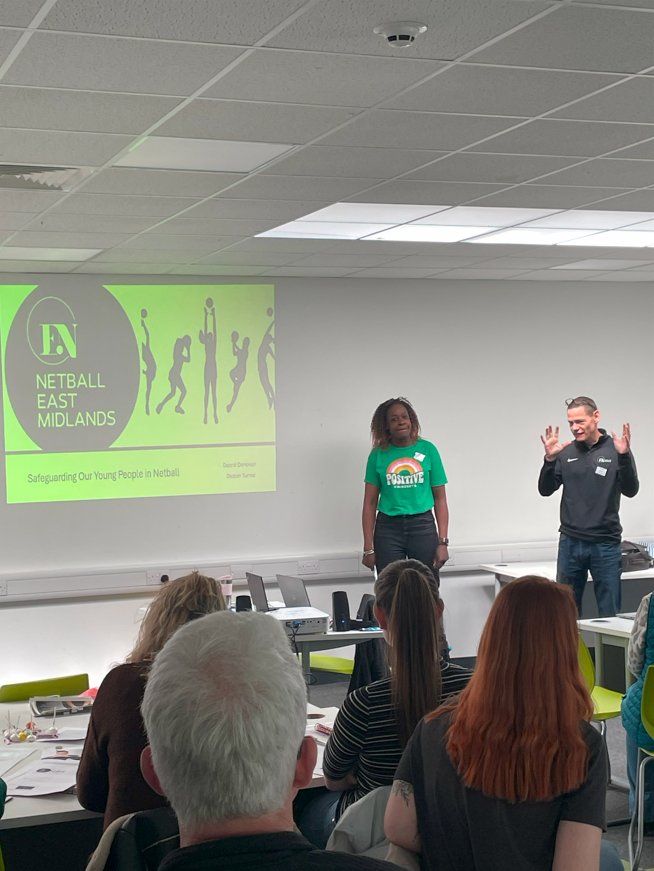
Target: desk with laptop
<point>307,627</point>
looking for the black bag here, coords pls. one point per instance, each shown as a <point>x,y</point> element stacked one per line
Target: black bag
<point>635,557</point>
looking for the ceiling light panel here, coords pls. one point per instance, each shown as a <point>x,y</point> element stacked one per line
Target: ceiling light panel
<point>429,233</point>
<point>522,236</point>
<point>210,155</point>
<point>69,254</point>
<point>617,239</point>
<point>387,213</point>
<point>324,230</point>
<point>591,220</point>
<point>478,216</point>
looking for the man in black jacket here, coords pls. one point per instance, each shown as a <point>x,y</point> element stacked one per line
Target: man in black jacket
<point>595,470</point>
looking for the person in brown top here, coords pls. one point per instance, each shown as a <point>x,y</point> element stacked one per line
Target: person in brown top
<point>109,778</point>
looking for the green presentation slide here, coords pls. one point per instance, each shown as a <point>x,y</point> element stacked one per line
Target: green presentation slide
<point>116,391</point>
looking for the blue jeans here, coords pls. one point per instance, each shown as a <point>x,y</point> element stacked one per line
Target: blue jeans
<point>317,820</point>
<point>632,773</point>
<point>603,561</point>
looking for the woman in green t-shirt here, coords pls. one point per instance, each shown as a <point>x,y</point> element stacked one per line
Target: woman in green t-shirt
<point>405,480</point>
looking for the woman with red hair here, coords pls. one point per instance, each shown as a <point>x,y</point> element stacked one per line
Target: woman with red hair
<point>512,775</point>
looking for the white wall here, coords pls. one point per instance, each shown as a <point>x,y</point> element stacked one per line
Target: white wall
<point>487,364</point>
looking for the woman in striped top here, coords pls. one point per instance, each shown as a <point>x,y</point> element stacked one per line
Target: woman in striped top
<point>375,722</point>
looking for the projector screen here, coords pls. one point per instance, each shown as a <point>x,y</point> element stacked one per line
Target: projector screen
<point>118,391</point>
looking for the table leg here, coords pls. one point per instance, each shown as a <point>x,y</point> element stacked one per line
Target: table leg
<point>304,649</point>
<point>599,660</point>
<point>629,679</point>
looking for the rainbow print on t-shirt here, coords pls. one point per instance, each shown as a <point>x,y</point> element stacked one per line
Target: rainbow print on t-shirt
<point>405,472</point>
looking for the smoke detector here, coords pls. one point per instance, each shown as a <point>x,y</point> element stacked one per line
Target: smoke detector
<point>400,34</point>
<point>29,177</point>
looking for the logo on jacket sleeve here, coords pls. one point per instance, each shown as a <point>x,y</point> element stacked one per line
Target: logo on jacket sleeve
<point>405,472</point>
<point>604,460</point>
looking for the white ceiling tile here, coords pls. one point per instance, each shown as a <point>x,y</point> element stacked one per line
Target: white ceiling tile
<point>390,272</point>
<point>126,255</point>
<point>244,258</point>
<point>647,270</point>
<point>159,182</point>
<point>420,261</point>
<point>132,66</point>
<point>544,197</point>
<point>637,201</point>
<point>324,160</point>
<point>524,263</point>
<point>531,236</point>
<point>644,151</point>
<point>430,233</point>
<point>27,266</point>
<point>622,276</point>
<point>592,219</point>
<point>59,223</point>
<point>287,187</point>
<point>8,39</point>
<point>263,210</point>
<point>94,267</point>
<point>390,128</point>
<point>640,225</point>
<point>309,271</point>
<point>354,261</point>
<point>484,216</point>
<point>559,275</point>
<point>13,251</point>
<point>394,249</point>
<point>453,28</point>
<point>607,173</point>
<point>208,244</point>
<point>372,213</point>
<point>50,109</point>
<point>27,201</point>
<point>574,138</point>
<point>630,101</point>
<point>645,4</point>
<point>319,79</point>
<point>55,147</point>
<point>481,273</point>
<point>602,264</point>
<point>190,226</point>
<point>215,269</point>
<point>14,220</point>
<point>324,230</point>
<point>68,240</point>
<point>572,38</point>
<point>427,192</point>
<point>117,205</point>
<point>206,155</point>
<point>254,122</point>
<point>486,90</point>
<point>495,168</point>
<point>297,246</point>
<point>617,238</point>
<point>14,14</point>
<point>234,22</point>
<point>4,236</point>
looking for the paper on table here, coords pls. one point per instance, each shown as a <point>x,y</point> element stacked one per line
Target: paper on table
<point>72,751</point>
<point>42,778</point>
<point>68,734</point>
<point>12,754</point>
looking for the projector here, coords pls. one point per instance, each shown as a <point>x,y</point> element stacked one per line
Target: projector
<point>301,621</point>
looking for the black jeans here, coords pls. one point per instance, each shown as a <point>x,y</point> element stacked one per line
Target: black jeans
<point>405,536</point>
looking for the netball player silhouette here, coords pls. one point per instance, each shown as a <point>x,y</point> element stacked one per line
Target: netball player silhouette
<point>181,355</point>
<point>150,370</point>
<point>265,348</point>
<point>238,372</point>
<point>210,368</point>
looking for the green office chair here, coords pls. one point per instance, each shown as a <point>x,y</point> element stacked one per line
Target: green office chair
<point>72,685</point>
<point>644,757</point>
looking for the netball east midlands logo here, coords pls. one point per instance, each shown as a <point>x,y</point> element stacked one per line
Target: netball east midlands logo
<point>52,331</point>
<point>405,472</point>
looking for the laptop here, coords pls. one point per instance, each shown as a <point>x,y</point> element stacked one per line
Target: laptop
<point>293,592</point>
<point>258,592</point>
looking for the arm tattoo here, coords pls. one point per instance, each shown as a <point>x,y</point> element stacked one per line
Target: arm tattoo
<point>403,789</point>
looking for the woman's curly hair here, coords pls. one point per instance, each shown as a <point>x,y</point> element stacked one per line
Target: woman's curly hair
<point>381,437</point>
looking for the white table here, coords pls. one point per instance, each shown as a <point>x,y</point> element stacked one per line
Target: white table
<point>331,640</point>
<point>609,632</point>
<point>64,807</point>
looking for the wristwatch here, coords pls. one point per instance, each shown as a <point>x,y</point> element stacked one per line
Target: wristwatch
<point>443,541</point>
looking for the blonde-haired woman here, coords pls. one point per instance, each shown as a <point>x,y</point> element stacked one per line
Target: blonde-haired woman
<point>109,779</point>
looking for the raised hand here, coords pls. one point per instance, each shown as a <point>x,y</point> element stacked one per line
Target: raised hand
<point>622,445</point>
<point>551,442</point>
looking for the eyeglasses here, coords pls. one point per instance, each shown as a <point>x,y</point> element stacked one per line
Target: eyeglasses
<point>580,400</point>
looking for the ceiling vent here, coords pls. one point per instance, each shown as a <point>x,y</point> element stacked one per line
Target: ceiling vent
<point>36,178</point>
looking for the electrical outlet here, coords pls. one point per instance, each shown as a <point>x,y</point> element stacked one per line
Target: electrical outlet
<point>3,588</point>
<point>154,578</point>
<point>308,567</point>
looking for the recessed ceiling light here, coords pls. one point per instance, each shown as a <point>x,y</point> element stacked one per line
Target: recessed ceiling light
<point>428,233</point>
<point>522,236</point>
<point>48,253</point>
<point>210,155</point>
<point>478,216</point>
<point>644,225</point>
<point>590,220</point>
<point>324,230</point>
<point>617,239</point>
<point>385,213</point>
